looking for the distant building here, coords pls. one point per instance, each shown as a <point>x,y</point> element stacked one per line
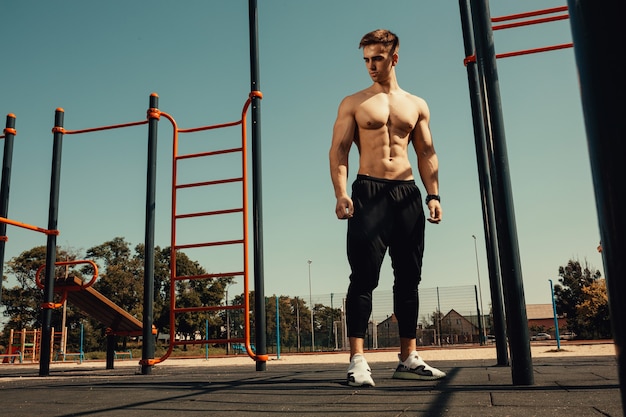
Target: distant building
<point>541,318</point>
<point>455,328</point>
<point>388,335</point>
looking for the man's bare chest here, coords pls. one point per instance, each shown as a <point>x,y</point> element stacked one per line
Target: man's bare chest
<point>399,115</point>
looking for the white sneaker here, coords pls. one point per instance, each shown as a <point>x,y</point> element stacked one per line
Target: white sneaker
<point>359,372</point>
<point>414,367</point>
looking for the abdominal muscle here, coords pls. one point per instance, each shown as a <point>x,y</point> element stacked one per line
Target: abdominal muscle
<point>384,157</point>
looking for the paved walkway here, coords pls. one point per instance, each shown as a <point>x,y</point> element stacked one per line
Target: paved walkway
<point>564,386</point>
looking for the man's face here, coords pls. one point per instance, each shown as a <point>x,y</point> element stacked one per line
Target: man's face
<point>379,62</point>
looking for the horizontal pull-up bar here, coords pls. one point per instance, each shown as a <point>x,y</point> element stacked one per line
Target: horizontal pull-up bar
<point>535,50</point>
<point>529,14</point>
<point>472,58</point>
<point>152,114</point>
<point>28,226</point>
<point>531,22</point>
<point>517,16</point>
<point>528,22</point>
<point>96,129</point>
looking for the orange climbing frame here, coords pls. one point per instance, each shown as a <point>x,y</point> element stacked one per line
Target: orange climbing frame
<point>174,278</point>
<point>522,19</point>
<point>76,285</point>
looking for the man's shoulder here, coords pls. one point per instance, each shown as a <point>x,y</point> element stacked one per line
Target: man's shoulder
<point>360,95</point>
<point>415,98</point>
<point>352,101</point>
<point>419,102</point>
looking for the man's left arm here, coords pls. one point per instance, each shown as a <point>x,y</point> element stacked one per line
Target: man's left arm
<point>427,161</point>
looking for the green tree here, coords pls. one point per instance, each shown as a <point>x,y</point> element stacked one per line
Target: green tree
<point>238,319</point>
<point>304,313</point>
<point>121,279</point>
<point>323,317</point>
<point>593,312</point>
<point>288,324</point>
<point>199,290</point>
<point>161,287</point>
<point>301,325</point>
<point>121,274</point>
<point>22,302</point>
<point>579,297</point>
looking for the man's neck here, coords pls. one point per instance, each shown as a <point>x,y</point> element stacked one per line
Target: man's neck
<point>387,86</point>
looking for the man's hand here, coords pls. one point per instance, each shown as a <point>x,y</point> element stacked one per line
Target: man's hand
<point>344,208</point>
<point>435,211</point>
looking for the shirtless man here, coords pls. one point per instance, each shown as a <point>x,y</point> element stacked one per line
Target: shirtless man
<point>385,210</point>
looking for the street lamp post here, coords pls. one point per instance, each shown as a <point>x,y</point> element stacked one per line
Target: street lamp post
<point>311,303</point>
<point>298,321</point>
<point>480,295</point>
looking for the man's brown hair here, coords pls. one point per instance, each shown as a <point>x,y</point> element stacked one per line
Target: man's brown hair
<point>381,36</point>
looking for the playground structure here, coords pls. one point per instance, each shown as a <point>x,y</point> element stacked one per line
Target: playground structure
<point>596,34</point>
<point>85,297</point>
<point>93,303</point>
<point>25,346</point>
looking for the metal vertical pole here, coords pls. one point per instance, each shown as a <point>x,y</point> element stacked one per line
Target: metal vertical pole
<point>332,321</point>
<point>298,321</point>
<point>147,351</point>
<point>82,336</point>
<point>480,293</point>
<point>556,318</point>
<point>311,306</point>
<point>7,162</point>
<point>480,325</point>
<point>508,249</point>
<point>277,328</point>
<point>438,317</point>
<point>482,141</point>
<point>599,42</point>
<point>110,355</point>
<point>257,209</point>
<point>51,246</point>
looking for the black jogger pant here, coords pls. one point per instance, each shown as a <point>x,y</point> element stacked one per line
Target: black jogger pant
<point>387,214</point>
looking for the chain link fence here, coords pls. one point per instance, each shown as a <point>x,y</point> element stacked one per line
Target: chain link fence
<point>447,316</point>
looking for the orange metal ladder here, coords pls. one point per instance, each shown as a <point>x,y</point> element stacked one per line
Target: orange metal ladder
<point>242,242</point>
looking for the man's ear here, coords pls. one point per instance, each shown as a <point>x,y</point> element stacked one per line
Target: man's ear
<point>394,59</point>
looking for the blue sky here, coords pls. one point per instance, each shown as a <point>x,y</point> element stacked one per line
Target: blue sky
<point>101,60</point>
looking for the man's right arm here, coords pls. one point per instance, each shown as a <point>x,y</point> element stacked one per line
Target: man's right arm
<point>343,137</point>
<point>428,163</point>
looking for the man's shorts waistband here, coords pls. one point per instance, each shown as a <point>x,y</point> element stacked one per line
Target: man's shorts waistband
<point>384,180</point>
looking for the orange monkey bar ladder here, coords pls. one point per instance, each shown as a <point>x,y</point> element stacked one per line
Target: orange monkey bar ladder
<point>241,242</point>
